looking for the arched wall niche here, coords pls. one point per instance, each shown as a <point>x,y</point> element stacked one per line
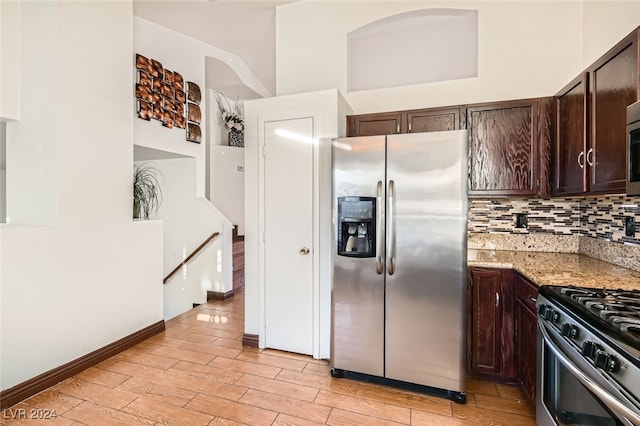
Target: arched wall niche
<point>421,46</point>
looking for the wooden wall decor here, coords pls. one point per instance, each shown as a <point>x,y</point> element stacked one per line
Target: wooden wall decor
<point>194,134</point>
<point>164,95</point>
<point>194,115</point>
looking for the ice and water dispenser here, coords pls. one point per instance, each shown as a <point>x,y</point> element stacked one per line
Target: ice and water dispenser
<point>357,226</point>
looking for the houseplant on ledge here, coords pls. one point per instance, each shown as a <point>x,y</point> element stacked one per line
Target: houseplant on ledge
<point>147,193</point>
<point>233,119</point>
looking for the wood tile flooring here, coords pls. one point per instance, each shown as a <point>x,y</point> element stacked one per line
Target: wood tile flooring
<point>198,373</point>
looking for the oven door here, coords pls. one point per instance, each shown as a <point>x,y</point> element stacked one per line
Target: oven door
<point>571,391</point>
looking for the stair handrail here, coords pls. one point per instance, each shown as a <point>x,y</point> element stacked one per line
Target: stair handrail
<point>188,258</point>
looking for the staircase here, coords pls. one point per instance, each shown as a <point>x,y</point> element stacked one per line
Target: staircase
<point>238,260</point>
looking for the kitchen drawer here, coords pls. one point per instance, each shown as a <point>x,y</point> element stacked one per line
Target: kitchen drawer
<point>526,292</point>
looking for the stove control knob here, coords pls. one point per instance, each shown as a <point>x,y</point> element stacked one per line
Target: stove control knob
<point>542,309</point>
<point>569,330</point>
<point>606,362</point>
<point>613,365</point>
<point>551,315</point>
<point>589,349</point>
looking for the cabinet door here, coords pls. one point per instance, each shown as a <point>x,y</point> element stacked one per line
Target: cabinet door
<point>375,124</point>
<point>614,86</point>
<point>503,148</point>
<point>484,321</point>
<point>491,324</point>
<point>527,329</point>
<point>570,138</point>
<point>526,334</point>
<point>433,120</point>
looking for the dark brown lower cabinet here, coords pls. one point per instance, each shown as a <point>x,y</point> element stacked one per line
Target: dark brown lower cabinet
<point>501,327</point>
<point>526,334</point>
<point>491,324</point>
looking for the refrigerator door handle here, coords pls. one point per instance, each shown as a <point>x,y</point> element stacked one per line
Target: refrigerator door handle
<point>391,229</point>
<point>379,228</point>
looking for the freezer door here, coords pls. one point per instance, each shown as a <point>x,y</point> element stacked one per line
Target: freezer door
<point>357,337</point>
<point>426,265</point>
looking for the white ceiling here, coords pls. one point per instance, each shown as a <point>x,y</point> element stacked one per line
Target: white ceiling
<point>244,28</point>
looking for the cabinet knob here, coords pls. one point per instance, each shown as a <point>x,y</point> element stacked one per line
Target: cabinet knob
<point>304,251</point>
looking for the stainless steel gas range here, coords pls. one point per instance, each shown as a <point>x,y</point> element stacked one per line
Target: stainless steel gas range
<point>588,356</point>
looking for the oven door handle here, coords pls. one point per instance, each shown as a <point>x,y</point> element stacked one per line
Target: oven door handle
<point>607,398</point>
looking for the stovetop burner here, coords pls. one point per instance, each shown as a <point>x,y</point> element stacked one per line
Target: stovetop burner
<point>617,312</point>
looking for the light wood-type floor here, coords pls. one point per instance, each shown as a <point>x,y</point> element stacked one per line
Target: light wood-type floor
<point>198,373</point>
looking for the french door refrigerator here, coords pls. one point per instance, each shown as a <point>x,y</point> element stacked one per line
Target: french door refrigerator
<point>400,259</point>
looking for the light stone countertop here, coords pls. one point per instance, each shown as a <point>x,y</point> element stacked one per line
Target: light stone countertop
<point>558,268</point>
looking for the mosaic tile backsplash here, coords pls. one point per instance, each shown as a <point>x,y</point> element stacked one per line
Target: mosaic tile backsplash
<point>601,217</point>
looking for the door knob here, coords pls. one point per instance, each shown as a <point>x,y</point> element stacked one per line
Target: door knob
<point>304,251</point>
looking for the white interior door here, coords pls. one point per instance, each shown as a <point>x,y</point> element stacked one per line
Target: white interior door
<point>288,234</point>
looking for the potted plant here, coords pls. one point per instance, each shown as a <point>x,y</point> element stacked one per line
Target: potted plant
<point>147,193</point>
<point>232,118</point>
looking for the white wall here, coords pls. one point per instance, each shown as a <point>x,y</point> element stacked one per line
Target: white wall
<point>604,24</point>
<point>526,49</point>
<point>328,110</point>
<point>190,284</point>
<point>9,60</point>
<point>188,220</point>
<point>185,55</point>
<point>227,183</point>
<point>96,276</point>
<point>3,204</point>
<point>422,62</point>
<point>3,172</point>
<point>33,175</point>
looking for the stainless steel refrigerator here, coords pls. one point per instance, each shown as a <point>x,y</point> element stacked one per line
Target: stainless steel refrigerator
<point>399,260</point>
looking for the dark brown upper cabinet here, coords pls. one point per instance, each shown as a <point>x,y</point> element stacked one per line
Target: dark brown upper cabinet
<point>509,142</point>
<point>433,120</point>
<point>613,86</point>
<point>570,138</point>
<point>412,121</point>
<point>508,148</point>
<point>590,123</point>
<point>386,123</point>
